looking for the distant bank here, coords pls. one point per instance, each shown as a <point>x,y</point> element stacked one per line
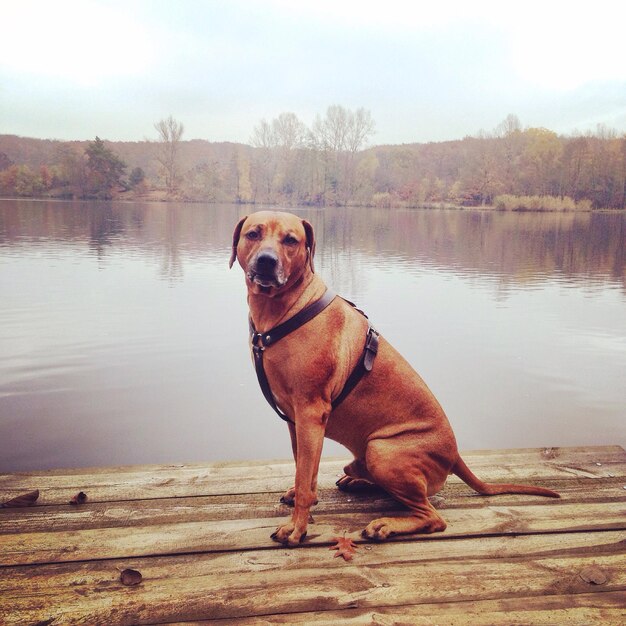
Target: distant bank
<point>527,170</point>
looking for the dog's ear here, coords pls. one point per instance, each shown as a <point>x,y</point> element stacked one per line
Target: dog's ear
<point>310,242</point>
<point>236,234</point>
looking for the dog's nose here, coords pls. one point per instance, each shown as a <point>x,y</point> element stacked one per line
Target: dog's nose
<point>267,261</point>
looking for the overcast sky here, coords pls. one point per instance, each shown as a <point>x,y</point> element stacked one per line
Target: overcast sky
<point>427,71</point>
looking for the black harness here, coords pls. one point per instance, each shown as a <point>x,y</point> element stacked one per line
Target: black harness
<point>261,341</point>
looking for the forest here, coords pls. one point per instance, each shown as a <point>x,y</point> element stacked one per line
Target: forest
<point>329,163</point>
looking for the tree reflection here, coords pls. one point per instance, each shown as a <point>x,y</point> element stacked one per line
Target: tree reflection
<point>516,247</point>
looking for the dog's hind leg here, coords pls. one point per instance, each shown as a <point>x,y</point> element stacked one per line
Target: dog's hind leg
<point>407,484</point>
<point>356,477</point>
<point>422,518</point>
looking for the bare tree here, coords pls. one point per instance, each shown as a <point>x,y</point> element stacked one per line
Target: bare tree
<point>339,136</point>
<point>343,130</point>
<point>264,139</point>
<point>263,136</point>
<point>510,139</point>
<point>508,126</point>
<point>278,142</point>
<point>360,128</point>
<point>289,132</point>
<point>330,133</point>
<point>312,166</point>
<point>170,131</point>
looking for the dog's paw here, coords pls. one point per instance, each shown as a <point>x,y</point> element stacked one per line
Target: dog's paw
<point>385,527</point>
<point>289,497</point>
<point>378,530</point>
<point>288,535</point>
<point>348,483</point>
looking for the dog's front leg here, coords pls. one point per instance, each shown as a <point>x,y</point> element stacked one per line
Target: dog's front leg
<point>309,429</point>
<point>290,495</point>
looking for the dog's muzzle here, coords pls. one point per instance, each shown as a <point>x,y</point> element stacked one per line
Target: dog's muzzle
<point>266,270</point>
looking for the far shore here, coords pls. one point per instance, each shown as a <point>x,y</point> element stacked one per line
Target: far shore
<point>162,196</point>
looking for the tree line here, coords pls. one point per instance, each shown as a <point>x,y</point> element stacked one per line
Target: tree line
<point>329,163</point>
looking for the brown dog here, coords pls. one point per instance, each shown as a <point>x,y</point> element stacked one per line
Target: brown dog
<point>391,422</point>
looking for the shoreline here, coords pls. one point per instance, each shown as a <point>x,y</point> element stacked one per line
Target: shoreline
<point>161,197</point>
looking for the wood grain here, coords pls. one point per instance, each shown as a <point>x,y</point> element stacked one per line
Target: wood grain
<point>199,535</point>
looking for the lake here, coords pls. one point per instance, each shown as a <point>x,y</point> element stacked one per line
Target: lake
<point>123,334</point>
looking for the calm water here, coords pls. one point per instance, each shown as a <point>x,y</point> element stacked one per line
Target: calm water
<point>123,335</point>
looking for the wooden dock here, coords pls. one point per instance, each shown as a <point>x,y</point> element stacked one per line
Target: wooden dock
<point>200,537</point>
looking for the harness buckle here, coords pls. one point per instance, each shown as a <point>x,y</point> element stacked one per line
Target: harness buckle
<point>257,345</point>
<point>371,349</point>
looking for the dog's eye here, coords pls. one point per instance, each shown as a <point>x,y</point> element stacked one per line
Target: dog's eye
<point>253,235</point>
<point>290,241</point>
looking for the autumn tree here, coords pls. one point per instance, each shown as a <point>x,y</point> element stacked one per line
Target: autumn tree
<point>104,171</point>
<point>170,132</point>
<point>576,160</point>
<point>508,149</point>
<point>137,181</point>
<point>480,171</point>
<point>70,167</point>
<point>541,161</point>
<point>136,177</point>
<point>328,164</point>
<point>241,177</point>
<point>5,162</point>
<point>20,180</point>
<point>622,203</point>
<point>606,169</point>
<point>207,181</point>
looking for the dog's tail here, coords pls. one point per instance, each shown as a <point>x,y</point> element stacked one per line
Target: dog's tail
<point>493,489</point>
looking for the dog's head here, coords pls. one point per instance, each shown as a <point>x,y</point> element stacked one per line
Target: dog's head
<point>274,249</point>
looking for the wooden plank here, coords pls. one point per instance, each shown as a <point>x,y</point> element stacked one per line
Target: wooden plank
<point>264,505</point>
<point>310,556</point>
<point>149,482</point>
<point>235,585</point>
<point>247,534</point>
<point>208,555</point>
<point>582,609</point>
<point>591,462</point>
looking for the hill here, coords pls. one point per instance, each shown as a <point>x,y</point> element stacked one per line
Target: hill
<point>499,169</point>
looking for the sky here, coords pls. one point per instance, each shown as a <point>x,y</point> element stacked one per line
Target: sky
<point>427,71</point>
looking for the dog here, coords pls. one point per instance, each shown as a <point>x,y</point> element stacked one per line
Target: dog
<point>390,421</point>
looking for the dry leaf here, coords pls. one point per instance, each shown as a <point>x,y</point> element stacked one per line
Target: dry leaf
<point>130,577</point>
<point>79,498</point>
<point>345,547</point>
<point>593,575</point>
<point>25,499</point>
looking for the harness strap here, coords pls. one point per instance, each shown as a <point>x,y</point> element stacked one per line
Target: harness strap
<point>260,341</point>
<point>365,364</point>
<point>293,323</point>
<point>264,383</point>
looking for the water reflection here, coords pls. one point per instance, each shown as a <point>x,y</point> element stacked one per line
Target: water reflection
<point>519,247</point>
<point>123,333</point>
